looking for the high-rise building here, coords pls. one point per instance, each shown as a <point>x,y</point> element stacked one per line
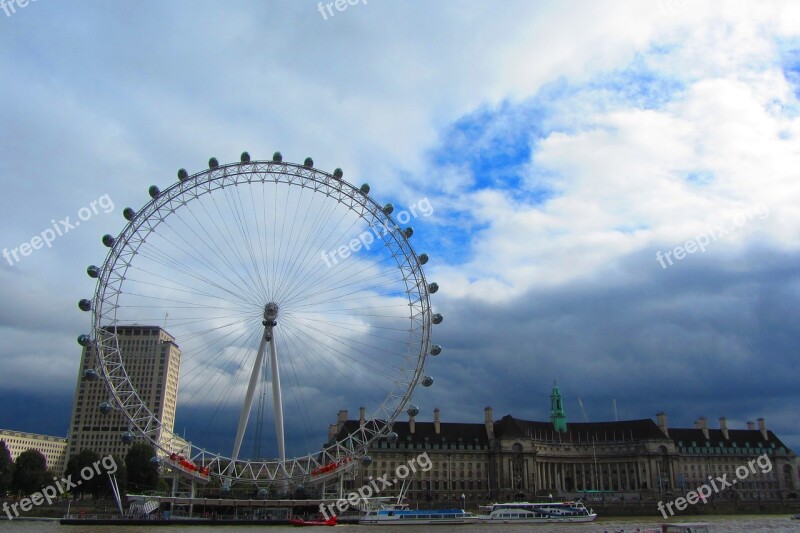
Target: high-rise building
<point>54,449</point>
<point>152,361</point>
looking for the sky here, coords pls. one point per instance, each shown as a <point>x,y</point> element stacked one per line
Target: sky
<point>614,185</point>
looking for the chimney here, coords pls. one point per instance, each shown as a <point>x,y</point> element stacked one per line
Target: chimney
<point>723,425</point>
<point>762,427</point>
<point>342,418</point>
<point>333,429</point>
<point>702,424</point>
<point>489,421</point>
<point>751,425</point>
<point>411,424</point>
<point>662,423</point>
<point>361,416</point>
<point>437,426</point>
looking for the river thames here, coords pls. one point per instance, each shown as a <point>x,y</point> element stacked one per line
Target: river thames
<point>719,524</point>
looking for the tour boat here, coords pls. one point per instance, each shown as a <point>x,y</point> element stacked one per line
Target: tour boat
<point>417,517</point>
<point>538,513</point>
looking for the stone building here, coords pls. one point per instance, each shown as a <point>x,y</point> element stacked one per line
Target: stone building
<point>54,449</point>
<point>510,459</point>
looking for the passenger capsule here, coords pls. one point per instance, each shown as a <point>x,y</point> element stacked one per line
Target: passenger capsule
<point>245,157</point>
<point>309,163</point>
<point>127,437</point>
<point>338,173</point>
<point>262,494</point>
<point>85,305</point>
<point>436,349</point>
<point>93,271</point>
<point>213,163</point>
<point>422,258</point>
<point>408,232</point>
<point>128,213</point>
<point>153,192</point>
<point>225,490</point>
<point>155,460</point>
<point>387,209</point>
<point>108,240</point>
<point>433,287</point>
<point>105,408</point>
<point>413,410</point>
<point>277,157</point>
<point>437,318</point>
<point>84,340</point>
<point>182,174</point>
<point>366,460</point>
<point>364,188</point>
<point>392,437</point>
<point>427,381</point>
<point>90,374</point>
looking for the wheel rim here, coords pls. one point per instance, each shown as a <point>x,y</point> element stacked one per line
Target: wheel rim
<point>177,258</point>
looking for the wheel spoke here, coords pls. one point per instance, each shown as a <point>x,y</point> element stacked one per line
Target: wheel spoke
<point>206,258</point>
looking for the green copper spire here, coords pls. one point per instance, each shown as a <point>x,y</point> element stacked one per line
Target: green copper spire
<point>557,416</point>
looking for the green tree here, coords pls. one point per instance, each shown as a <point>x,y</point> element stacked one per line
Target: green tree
<point>6,469</point>
<point>90,484</point>
<point>142,471</point>
<point>30,472</point>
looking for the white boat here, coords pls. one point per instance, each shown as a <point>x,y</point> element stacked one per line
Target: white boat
<point>538,513</point>
<point>403,516</point>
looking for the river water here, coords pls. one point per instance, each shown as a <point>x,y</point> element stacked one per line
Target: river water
<point>719,524</point>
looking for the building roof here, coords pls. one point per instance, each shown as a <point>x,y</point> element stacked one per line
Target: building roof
<point>451,432</point>
<point>578,432</point>
<point>509,427</point>
<point>751,437</point>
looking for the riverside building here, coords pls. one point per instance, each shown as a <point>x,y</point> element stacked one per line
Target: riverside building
<point>54,449</point>
<point>630,460</point>
<point>152,361</point>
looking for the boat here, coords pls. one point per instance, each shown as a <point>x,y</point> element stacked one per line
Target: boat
<point>403,516</point>
<point>538,513</point>
<point>299,522</point>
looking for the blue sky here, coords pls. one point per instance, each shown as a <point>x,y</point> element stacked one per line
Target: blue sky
<point>562,146</point>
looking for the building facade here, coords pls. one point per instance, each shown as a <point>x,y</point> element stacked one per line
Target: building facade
<point>152,362</point>
<point>54,449</point>
<point>630,460</point>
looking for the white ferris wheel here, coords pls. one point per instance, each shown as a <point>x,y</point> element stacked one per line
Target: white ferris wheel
<point>285,287</point>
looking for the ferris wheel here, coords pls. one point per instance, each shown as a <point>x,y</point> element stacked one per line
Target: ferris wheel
<point>289,291</point>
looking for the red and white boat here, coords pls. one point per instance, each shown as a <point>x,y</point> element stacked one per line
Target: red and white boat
<point>299,522</point>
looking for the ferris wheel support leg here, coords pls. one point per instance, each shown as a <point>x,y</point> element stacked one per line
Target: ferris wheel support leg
<point>277,401</point>
<point>248,401</point>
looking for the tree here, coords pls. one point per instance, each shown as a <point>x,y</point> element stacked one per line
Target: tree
<point>85,459</point>
<point>6,469</point>
<point>142,471</point>
<point>30,472</point>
